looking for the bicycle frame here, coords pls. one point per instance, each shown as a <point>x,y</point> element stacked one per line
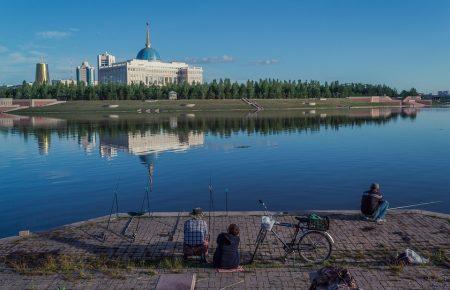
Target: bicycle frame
<point>298,228</point>
<point>289,247</point>
<point>294,236</point>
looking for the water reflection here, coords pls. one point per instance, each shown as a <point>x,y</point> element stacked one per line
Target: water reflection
<point>146,142</point>
<point>88,142</point>
<point>40,127</point>
<point>144,135</point>
<point>295,159</point>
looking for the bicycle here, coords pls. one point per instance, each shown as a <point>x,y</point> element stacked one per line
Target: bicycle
<point>313,243</point>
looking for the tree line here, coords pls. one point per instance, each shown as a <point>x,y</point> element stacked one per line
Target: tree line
<point>217,89</point>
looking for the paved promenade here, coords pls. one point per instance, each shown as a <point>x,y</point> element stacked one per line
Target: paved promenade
<point>76,257</point>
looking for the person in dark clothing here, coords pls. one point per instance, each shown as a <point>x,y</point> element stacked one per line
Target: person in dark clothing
<point>373,206</point>
<point>226,255</point>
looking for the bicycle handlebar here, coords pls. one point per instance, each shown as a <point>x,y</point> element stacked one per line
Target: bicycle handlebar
<point>264,205</point>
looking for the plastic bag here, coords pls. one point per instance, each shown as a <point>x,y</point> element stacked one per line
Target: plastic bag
<point>415,258</point>
<point>267,223</point>
<point>411,257</point>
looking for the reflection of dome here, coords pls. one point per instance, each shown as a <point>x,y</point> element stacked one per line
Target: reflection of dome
<point>148,53</point>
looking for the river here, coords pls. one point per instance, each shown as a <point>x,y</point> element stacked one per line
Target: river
<point>60,169</point>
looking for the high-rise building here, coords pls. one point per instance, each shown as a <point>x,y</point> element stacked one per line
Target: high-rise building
<point>147,68</point>
<point>105,59</point>
<point>85,73</point>
<point>42,74</point>
<point>443,94</point>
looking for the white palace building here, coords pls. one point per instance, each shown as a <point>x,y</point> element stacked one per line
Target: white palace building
<point>147,68</point>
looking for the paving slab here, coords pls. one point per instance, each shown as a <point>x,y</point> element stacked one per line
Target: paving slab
<point>77,257</point>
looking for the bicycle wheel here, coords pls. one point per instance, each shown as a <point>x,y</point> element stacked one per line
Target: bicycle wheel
<point>314,247</point>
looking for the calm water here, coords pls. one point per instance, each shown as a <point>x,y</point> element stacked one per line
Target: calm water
<point>54,171</point>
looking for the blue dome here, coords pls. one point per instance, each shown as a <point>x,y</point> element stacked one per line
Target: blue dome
<point>148,53</point>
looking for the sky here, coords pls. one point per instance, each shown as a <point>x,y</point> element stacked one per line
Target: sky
<point>400,43</point>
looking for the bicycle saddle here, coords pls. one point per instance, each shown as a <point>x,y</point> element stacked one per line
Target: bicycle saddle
<point>302,219</point>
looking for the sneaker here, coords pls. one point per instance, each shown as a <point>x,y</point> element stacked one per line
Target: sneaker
<point>380,221</point>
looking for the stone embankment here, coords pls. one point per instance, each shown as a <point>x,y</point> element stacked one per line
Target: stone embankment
<point>87,256</point>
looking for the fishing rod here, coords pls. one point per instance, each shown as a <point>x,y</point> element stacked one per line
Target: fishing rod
<point>211,205</point>
<point>148,189</point>
<point>417,204</point>
<point>115,204</point>
<point>226,200</point>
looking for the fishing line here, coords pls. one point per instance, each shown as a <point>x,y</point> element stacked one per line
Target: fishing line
<point>417,204</point>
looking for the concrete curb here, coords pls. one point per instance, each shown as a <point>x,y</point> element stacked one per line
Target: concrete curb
<point>241,213</point>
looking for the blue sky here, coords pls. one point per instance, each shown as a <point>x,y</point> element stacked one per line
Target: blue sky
<point>402,43</point>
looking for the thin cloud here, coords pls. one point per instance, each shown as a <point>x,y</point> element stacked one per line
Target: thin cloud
<point>34,46</point>
<point>53,34</point>
<point>3,49</point>
<point>266,62</point>
<point>213,59</point>
<point>74,29</point>
<point>17,57</point>
<point>37,53</point>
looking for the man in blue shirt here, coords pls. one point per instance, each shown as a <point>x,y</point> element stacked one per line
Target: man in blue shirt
<point>196,235</point>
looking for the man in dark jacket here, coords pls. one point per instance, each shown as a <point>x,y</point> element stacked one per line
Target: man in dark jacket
<point>373,206</point>
<point>226,255</point>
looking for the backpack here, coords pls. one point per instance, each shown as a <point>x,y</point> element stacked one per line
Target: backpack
<point>333,278</point>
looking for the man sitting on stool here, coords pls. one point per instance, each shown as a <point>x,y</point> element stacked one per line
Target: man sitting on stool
<point>196,236</point>
<point>373,206</point>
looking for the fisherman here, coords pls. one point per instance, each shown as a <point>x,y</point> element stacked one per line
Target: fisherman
<point>196,236</point>
<point>226,255</point>
<point>373,206</point>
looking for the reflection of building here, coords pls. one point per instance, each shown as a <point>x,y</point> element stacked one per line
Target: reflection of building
<point>42,74</point>
<point>87,142</point>
<point>108,151</point>
<point>147,68</point>
<point>173,120</point>
<point>39,126</point>
<point>374,113</point>
<point>33,122</point>
<point>147,143</point>
<point>85,73</point>
<point>7,120</point>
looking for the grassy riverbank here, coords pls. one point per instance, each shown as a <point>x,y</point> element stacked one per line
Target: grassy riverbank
<point>195,105</point>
